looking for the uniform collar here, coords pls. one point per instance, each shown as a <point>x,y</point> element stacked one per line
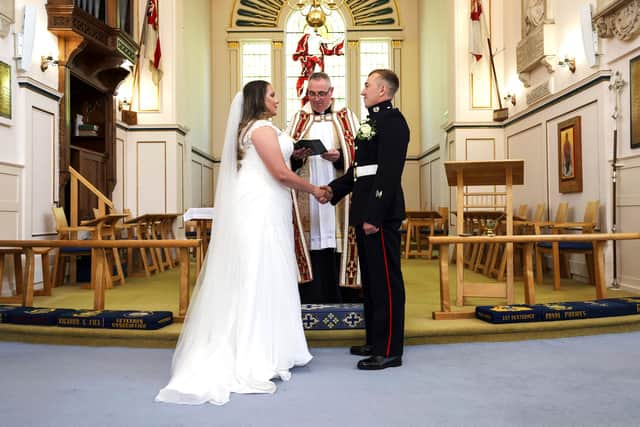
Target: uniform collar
<point>384,105</point>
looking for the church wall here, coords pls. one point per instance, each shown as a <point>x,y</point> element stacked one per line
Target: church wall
<point>221,82</point>
<point>616,56</point>
<point>409,101</point>
<point>29,139</point>
<point>535,139</point>
<point>155,162</point>
<point>436,39</point>
<point>530,132</point>
<point>202,180</point>
<point>628,219</point>
<point>193,68</point>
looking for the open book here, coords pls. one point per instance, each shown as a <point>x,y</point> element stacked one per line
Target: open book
<point>316,146</point>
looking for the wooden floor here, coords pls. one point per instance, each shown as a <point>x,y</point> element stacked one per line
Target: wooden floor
<point>160,292</point>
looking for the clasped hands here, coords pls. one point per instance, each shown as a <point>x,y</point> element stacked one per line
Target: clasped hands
<point>323,194</point>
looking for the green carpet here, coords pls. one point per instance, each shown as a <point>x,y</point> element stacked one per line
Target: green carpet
<point>160,292</point>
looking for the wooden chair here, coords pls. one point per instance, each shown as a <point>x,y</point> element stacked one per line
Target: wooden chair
<point>65,232</point>
<point>421,223</point>
<point>19,277</point>
<point>440,227</point>
<point>525,226</point>
<point>561,250</point>
<point>112,230</point>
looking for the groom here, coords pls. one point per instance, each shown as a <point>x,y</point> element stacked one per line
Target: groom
<point>377,210</point>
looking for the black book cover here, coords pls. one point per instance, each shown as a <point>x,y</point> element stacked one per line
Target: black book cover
<point>316,146</point>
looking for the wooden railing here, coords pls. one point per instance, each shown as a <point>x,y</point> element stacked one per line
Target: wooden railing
<point>100,266</point>
<point>103,201</point>
<point>599,241</point>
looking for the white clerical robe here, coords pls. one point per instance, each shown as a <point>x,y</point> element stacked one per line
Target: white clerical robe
<point>322,217</point>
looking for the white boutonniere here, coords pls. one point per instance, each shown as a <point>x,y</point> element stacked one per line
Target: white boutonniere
<point>366,131</point>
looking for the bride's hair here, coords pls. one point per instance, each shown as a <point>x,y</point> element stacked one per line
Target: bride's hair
<point>253,108</point>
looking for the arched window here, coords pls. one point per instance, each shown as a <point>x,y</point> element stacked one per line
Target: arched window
<point>374,54</point>
<point>334,65</point>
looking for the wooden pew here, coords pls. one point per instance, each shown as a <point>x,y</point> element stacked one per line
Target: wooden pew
<point>599,241</point>
<point>100,264</point>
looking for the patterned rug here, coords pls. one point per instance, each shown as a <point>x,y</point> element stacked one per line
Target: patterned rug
<point>572,310</point>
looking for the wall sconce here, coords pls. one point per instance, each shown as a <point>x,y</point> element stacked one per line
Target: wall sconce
<point>45,61</point>
<point>123,104</point>
<point>510,97</point>
<point>568,62</point>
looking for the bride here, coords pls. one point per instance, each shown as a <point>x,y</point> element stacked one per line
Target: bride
<point>243,327</point>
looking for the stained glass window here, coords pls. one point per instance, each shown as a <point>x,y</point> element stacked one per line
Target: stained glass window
<point>373,54</point>
<point>334,65</point>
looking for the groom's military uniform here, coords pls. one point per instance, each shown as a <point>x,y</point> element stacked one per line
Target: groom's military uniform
<point>374,179</point>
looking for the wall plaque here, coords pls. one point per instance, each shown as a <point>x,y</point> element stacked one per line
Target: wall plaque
<point>5,90</point>
<point>538,92</point>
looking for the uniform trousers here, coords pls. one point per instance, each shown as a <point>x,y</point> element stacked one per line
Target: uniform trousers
<point>383,288</point>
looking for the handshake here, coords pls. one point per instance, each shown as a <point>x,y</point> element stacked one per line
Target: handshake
<point>323,194</point>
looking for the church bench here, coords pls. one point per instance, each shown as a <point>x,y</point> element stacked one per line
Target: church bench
<point>598,240</point>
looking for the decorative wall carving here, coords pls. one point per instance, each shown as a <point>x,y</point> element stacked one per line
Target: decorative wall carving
<point>619,19</point>
<point>534,50</point>
<point>533,15</point>
<point>7,16</point>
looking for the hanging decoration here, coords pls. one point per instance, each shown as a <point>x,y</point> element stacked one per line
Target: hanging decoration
<point>309,61</point>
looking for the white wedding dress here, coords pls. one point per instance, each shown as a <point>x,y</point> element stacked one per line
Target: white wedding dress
<point>243,328</point>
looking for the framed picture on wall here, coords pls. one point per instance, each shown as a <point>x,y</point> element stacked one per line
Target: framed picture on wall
<point>634,80</point>
<point>5,90</point>
<point>570,156</point>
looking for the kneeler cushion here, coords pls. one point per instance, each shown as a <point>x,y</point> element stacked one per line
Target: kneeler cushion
<point>332,316</point>
<point>570,310</point>
<point>116,319</point>
<point>33,315</point>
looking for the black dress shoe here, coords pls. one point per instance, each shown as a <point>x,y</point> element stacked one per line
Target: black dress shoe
<point>379,362</point>
<point>362,350</point>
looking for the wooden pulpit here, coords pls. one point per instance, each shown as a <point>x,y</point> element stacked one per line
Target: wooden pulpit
<point>464,174</point>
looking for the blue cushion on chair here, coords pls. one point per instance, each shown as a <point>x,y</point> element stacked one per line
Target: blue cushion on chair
<point>74,250</point>
<point>436,232</point>
<point>576,246</point>
<point>191,234</point>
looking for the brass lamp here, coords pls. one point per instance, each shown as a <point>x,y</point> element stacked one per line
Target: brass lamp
<point>315,11</point>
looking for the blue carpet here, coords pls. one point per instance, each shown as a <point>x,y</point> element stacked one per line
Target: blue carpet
<point>580,381</point>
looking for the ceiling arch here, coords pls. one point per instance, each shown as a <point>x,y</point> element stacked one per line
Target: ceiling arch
<point>266,14</point>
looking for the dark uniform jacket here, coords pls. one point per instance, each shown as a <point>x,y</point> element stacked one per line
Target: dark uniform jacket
<point>377,198</point>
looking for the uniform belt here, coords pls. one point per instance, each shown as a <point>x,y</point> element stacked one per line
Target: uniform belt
<point>367,170</point>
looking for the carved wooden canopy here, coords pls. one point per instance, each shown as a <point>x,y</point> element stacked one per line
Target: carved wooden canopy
<point>92,47</point>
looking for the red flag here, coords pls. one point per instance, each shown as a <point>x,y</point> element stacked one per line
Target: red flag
<point>151,40</point>
<point>475,30</point>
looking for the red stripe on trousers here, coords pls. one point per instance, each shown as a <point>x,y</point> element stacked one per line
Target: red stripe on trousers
<point>386,267</point>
